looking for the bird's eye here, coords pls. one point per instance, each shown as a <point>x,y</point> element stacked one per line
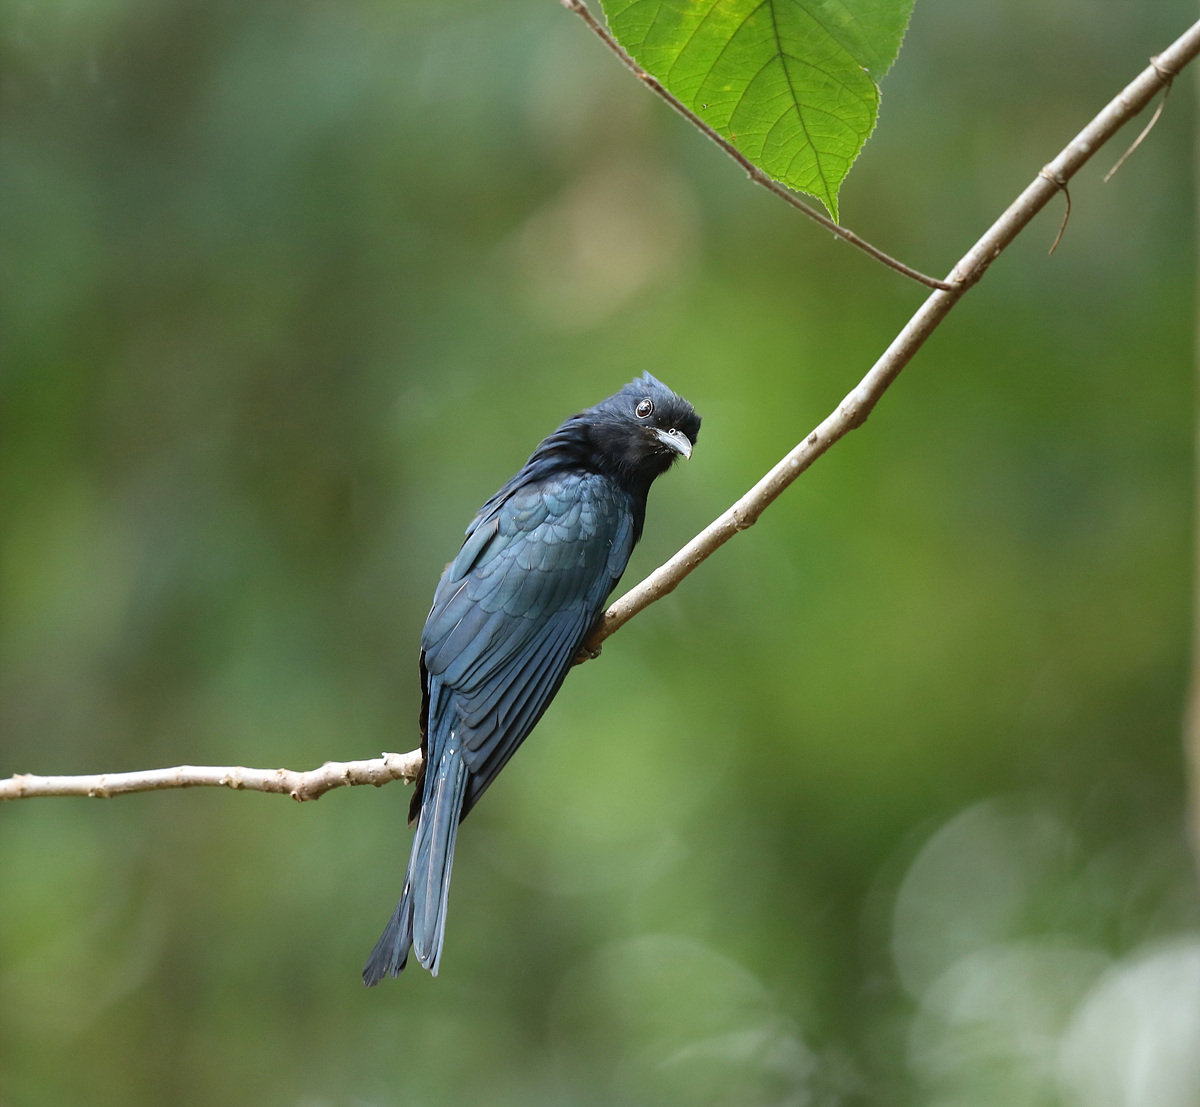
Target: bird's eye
<point>644,409</point>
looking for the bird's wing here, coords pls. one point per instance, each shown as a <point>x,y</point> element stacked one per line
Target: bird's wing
<point>512,609</point>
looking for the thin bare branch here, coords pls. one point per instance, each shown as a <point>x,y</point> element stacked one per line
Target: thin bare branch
<point>850,413</point>
<point>300,786</point>
<point>752,171</point>
<point>1191,720</point>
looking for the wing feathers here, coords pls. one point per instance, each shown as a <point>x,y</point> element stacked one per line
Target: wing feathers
<point>513,606</point>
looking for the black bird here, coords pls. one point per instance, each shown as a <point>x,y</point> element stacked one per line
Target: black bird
<point>509,617</point>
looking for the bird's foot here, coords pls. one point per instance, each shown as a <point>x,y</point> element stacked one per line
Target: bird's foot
<point>586,653</point>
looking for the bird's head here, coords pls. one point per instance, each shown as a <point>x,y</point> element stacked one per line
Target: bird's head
<point>638,432</point>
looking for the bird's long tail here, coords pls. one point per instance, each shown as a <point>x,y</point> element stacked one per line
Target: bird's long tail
<point>419,920</point>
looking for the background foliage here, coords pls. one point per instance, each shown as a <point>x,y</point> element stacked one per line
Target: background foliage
<point>882,806</point>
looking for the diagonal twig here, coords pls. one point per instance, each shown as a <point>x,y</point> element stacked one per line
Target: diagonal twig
<point>853,410</point>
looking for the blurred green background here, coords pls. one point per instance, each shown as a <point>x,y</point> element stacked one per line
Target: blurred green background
<point>883,806</point>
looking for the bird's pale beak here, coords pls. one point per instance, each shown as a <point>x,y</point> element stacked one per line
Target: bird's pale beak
<point>676,440</point>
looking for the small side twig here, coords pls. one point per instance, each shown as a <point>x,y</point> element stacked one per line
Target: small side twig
<point>1062,187</point>
<point>752,171</point>
<point>1191,720</point>
<point>1169,77</point>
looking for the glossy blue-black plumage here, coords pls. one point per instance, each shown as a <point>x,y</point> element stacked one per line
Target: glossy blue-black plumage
<point>509,616</point>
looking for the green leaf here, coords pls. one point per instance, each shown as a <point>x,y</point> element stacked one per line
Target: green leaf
<point>788,82</point>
